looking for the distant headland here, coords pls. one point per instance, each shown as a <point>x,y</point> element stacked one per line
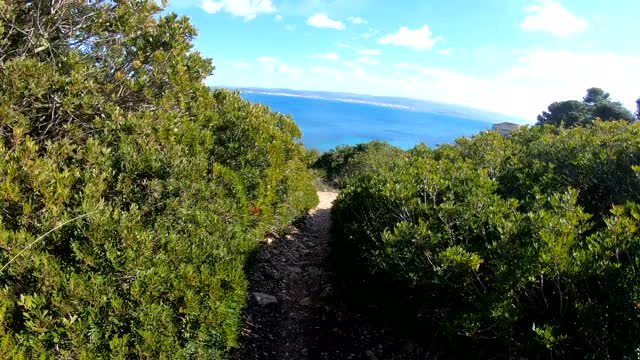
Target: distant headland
<point>312,96</point>
<point>392,102</point>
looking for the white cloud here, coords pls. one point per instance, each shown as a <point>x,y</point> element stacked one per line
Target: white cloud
<point>445,52</point>
<point>552,17</point>
<point>323,21</point>
<point>419,39</point>
<point>325,70</point>
<point>271,65</point>
<point>343,45</point>
<point>248,9</point>
<point>326,56</point>
<point>289,70</point>
<point>279,17</point>
<point>350,64</point>
<point>267,60</point>
<point>526,88</point>
<point>366,35</point>
<point>211,6</point>
<point>368,60</point>
<point>357,20</point>
<point>290,28</point>
<point>369,52</point>
<point>436,73</point>
<point>238,64</point>
<point>548,76</point>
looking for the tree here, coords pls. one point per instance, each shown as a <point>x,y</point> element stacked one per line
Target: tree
<point>611,111</point>
<point>564,113</point>
<point>595,96</point>
<point>596,104</point>
<point>638,109</point>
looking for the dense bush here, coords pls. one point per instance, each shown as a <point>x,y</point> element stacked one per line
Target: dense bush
<point>520,246</point>
<point>339,164</point>
<point>597,161</point>
<point>135,192</point>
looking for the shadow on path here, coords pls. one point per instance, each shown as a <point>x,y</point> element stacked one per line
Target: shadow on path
<point>291,313</point>
<point>286,286</point>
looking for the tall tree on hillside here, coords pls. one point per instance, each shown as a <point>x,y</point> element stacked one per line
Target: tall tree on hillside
<point>569,113</point>
<point>638,109</point>
<point>596,104</point>
<point>595,96</point>
<point>611,111</point>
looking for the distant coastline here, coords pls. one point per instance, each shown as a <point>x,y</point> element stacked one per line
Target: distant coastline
<point>309,96</point>
<point>347,119</point>
<point>408,104</point>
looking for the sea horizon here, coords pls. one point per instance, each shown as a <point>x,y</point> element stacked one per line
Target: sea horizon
<point>330,122</point>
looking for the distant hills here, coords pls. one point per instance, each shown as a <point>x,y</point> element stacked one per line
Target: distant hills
<point>396,102</point>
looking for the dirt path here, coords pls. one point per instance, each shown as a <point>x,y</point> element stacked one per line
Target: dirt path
<point>291,312</point>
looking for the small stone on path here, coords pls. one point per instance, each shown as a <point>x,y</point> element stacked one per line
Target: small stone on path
<point>264,299</point>
<point>370,355</point>
<point>305,302</point>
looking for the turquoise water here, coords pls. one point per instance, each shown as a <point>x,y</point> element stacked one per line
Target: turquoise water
<point>328,123</point>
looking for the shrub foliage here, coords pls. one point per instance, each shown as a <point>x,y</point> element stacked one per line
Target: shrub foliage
<point>340,164</point>
<point>521,246</point>
<point>156,187</point>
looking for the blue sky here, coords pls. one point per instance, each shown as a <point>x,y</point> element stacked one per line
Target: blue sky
<point>509,56</point>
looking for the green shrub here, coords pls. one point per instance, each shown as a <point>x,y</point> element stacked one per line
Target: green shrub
<point>156,188</point>
<point>345,161</point>
<point>497,243</point>
<point>310,156</point>
<point>596,160</point>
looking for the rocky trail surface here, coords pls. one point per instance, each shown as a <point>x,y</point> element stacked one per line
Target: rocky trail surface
<point>291,311</point>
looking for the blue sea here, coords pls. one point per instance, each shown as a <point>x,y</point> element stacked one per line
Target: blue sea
<point>328,123</point>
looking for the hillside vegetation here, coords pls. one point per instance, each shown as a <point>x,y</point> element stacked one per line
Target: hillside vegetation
<point>131,195</point>
<point>524,246</point>
<point>132,198</point>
